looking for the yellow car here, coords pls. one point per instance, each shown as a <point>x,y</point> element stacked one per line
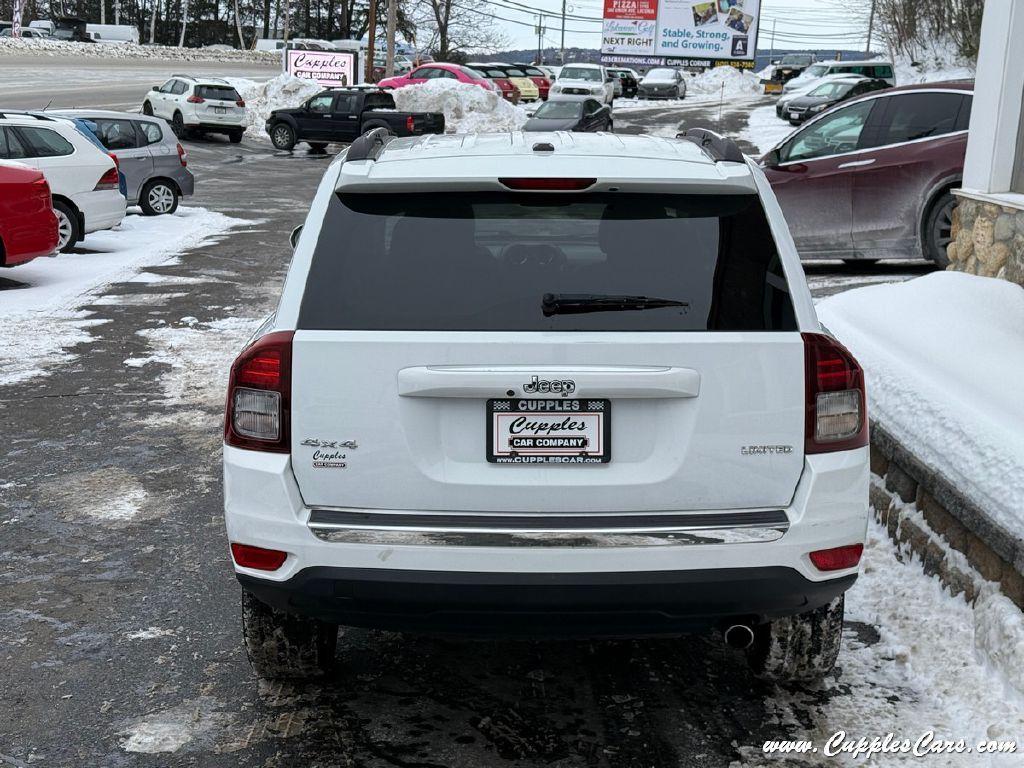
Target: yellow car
<point>528,90</point>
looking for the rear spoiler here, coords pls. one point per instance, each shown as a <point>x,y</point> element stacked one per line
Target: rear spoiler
<point>717,147</point>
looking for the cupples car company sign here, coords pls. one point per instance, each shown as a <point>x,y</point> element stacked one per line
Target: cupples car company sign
<point>327,68</point>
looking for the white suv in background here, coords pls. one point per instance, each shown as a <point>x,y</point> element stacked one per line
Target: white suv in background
<point>545,384</point>
<point>579,82</point>
<point>83,179</point>
<point>204,105</point>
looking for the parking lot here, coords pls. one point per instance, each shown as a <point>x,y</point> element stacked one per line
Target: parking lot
<point>119,625</point>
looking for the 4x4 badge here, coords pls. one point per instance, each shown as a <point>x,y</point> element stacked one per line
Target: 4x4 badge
<point>312,442</point>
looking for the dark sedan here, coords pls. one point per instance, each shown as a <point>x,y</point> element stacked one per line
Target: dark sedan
<point>873,177</point>
<point>826,95</point>
<point>587,115</point>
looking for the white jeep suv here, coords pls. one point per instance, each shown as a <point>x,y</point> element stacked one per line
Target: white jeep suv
<point>203,105</point>
<point>579,82</point>
<point>544,384</point>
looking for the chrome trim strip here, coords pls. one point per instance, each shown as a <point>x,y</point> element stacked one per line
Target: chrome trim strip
<point>391,528</point>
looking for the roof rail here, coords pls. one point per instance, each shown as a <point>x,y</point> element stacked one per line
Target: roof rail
<point>186,77</point>
<point>6,114</point>
<point>369,145</point>
<point>717,147</point>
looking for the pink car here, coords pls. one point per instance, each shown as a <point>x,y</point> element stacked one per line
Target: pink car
<point>435,70</point>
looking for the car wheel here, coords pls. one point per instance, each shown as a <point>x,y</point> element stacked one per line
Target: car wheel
<point>69,228</point>
<point>611,127</point>
<point>317,147</point>
<point>158,198</point>
<point>147,108</point>
<point>178,125</point>
<point>235,137</point>
<point>938,230</point>
<point>801,647</point>
<point>283,645</point>
<point>282,137</point>
<point>675,94</point>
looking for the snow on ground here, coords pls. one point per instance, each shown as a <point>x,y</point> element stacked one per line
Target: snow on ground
<point>925,672</point>
<point>727,84</point>
<point>764,129</point>
<point>42,320</point>
<point>467,108</point>
<point>283,92</point>
<point>942,355</point>
<point>11,47</point>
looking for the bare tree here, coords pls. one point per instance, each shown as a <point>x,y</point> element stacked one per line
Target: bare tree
<point>455,27</point>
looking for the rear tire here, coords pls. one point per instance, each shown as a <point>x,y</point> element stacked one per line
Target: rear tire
<point>285,646</point>
<point>802,647</point>
<point>178,126</point>
<point>147,109</point>
<point>282,136</point>
<point>158,198</point>
<point>938,230</point>
<point>317,146</point>
<point>69,228</point>
<point>235,137</point>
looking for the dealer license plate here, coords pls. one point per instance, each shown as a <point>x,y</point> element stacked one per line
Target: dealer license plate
<point>220,110</point>
<point>556,431</point>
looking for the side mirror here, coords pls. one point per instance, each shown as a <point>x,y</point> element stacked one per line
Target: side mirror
<point>772,160</point>
<point>530,114</point>
<point>293,238</point>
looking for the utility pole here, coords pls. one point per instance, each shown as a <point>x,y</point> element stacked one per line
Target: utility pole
<point>389,67</point>
<point>771,51</point>
<point>540,39</point>
<point>871,27</point>
<point>561,56</point>
<point>371,40</point>
<point>117,11</point>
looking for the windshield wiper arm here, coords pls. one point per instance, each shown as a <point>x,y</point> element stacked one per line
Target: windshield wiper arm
<point>578,303</point>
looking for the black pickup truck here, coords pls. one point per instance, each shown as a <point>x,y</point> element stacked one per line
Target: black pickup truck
<point>342,114</point>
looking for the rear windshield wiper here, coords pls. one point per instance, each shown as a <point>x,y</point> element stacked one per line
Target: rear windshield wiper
<point>578,303</point>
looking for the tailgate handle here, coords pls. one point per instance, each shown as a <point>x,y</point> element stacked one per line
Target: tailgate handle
<point>588,381</point>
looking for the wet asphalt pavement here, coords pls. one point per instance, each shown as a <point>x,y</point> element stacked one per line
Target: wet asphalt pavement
<point>118,635</point>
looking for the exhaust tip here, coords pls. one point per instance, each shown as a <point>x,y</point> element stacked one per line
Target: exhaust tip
<point>738,636</point>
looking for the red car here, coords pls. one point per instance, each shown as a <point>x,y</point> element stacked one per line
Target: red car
<point>872,178</point>
<point>436,70</point>
<point>28,225</point>
<point>497,76</point>
<point>542,81</point>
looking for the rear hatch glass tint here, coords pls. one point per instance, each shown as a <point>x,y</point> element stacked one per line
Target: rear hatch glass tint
<point>217,92</point>
<point>485,261</point>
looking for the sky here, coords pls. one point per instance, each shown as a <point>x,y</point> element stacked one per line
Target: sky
<point>798,23</point>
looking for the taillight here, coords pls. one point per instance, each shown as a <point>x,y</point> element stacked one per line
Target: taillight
<point>240,103</point>
<point>108,180</point>
<point>258,558</point>
<point>117,163</point>
<point>548,185</point>
<point>836,403</point>
<point>195,99</point>
<point>409,122</point>
<point>259,394</point>
<point>837,558</point>
<point>182,156</point>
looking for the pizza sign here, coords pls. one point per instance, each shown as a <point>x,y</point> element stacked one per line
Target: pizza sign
<point>631,9</point>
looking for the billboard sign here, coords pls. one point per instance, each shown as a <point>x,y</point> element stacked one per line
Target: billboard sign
<point>332,69</point>
<point>704,32</point>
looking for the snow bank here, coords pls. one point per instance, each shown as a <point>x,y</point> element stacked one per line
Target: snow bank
<point>467,108</point>
<point>283,92</point>
<point>11,47</point>
<point>764,129</point>
<point>728,82</point>
<point>942,355</point>
<point>42,319</point>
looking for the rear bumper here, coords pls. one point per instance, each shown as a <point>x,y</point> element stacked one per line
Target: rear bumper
<point>627,582</point>
<point>231,124</point>
<point>101,209</point>
<point>545,604</point>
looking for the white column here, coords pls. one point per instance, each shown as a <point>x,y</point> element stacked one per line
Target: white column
<point>998,100</point>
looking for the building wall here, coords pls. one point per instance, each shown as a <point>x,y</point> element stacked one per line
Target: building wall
<point>988,239</point>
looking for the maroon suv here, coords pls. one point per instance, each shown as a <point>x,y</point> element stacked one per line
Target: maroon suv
<point>871,179</point>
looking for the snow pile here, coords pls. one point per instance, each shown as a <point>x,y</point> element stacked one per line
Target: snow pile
<point>283,92</point>
<point>726,82</point>
<point>930,70</point>
<point>41,320</point>
<point>467,108</point>
<point>764,129</point>
<point>9,46</point>
<point>942,355</point>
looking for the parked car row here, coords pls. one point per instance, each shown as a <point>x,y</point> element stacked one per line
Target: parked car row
<point>94,164</point>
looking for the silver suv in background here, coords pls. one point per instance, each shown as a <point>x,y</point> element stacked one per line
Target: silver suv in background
<point>152,160</point>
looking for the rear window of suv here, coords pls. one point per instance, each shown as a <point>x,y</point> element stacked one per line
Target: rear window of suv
<point>217,92</point>
<point>485,262</point>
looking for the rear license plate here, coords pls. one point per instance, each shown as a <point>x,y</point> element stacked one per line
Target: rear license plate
<point>794,115</point>
<point>558,431</point>
<point>773,87</point>
<point>220,110</point>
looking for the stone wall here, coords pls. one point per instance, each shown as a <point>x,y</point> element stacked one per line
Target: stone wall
<point>988,239</point>
<point>952,536</point>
